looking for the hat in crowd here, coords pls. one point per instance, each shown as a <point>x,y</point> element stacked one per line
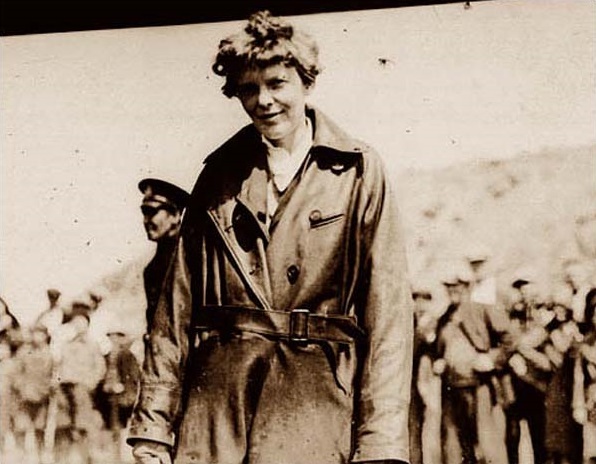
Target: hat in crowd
<point>53,294</point>
<point>78,308</point>
<point>455,275</point>
<point>421,288</point>
<point>478,253</point>
<point>523,276</point>
<point>159,194</point>
<point>95,298</point>
<point>117,326</point>
<point>422,293</point>
<point>520,282</point>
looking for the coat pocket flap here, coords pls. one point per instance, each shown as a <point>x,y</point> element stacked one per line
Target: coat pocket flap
<point>318,219</point>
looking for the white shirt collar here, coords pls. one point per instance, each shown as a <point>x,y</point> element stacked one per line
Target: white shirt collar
<point>284,165</point>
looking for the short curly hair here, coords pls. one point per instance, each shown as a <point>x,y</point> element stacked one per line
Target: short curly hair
<point>266,40</point>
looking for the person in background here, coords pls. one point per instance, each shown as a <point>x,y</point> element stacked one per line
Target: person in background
<point>53,316</point>
<point>424,337</point>
<point>584,391</point>
<point>471,348</point>
<point>80,369</point>
<point>120,385</point>
<point>162,208</point>
<point>33,386</point>
<point>530,369</point>
<point>290,277</point>
<point>563,434</point>
<point>579,275</point>
<point>9,325</point>
<point>8,378</point>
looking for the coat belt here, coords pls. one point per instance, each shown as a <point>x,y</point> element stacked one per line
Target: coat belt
<point>297,325</point>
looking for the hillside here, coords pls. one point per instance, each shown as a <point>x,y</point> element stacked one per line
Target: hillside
<point>528,210</point>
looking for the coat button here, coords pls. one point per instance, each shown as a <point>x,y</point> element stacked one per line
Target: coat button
<point>292,273</point>
<point>315,215</point>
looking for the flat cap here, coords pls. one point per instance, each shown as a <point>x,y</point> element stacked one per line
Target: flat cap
<point>78,308</point>
<point>456,274</point>
<point>159,193</point>
<point>422,287</point>
<point>477,253</point>
<point>523,276</point>
<point>53,293</point>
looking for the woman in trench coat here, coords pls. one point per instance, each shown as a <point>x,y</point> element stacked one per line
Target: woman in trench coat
<point>283,334</point>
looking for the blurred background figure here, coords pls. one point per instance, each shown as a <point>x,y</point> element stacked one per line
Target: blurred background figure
<point>421,391</point>
<point>162,207</point>
<point>119,389</point>
<point>53,316</point>
<point>469,337</point>
<point>530,369</point>
<point>564,441</point>
<point>10,340</point>
<point>9,344</point>
<point>81,367</point>
<point>584,392</point>
<point>579,276</point>
<point>8,322</point>
<point>32,385</point>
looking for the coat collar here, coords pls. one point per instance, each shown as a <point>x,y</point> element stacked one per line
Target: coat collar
<point>328,135</point>
<point>244,156</point>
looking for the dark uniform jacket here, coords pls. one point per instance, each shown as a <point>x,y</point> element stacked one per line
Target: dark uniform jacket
<point>246,394</point>
<point>155,273</point>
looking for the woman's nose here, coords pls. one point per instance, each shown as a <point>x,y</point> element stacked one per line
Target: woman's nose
<point>264,98</point>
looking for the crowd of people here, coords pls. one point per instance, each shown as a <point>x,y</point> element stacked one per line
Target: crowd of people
<point>65,393</point>
<point>531,352</point>
<point>528,349</point>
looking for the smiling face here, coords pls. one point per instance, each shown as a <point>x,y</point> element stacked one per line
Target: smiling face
<point>274,97</point>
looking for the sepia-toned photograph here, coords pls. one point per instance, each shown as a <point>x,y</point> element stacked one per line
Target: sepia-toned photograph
<point>348,235</point>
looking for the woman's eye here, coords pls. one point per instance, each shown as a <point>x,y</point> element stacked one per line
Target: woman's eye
<point>277,84</point>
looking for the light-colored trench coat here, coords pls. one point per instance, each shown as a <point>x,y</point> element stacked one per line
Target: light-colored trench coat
<point>334,247</point>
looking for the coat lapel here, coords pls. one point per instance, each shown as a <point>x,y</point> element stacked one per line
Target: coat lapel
<point>240,220</point>
<point>253,195</point>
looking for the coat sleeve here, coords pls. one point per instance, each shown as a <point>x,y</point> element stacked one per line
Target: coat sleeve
<point>385,312</point>
<point>166,351</point>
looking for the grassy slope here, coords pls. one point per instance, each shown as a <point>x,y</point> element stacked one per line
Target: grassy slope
<point>524,209</point>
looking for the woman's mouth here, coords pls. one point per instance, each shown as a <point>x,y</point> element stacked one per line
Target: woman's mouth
<point>268,116</point>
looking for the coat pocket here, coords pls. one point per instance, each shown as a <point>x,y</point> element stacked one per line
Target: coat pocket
<point>317,219</point>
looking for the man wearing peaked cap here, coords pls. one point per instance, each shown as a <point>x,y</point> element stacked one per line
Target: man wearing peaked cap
<point>162,207</point>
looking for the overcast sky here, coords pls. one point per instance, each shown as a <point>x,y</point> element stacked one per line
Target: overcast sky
<point>86,115</point>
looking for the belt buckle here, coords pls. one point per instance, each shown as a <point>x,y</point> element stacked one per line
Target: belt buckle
<point>299,325</point>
